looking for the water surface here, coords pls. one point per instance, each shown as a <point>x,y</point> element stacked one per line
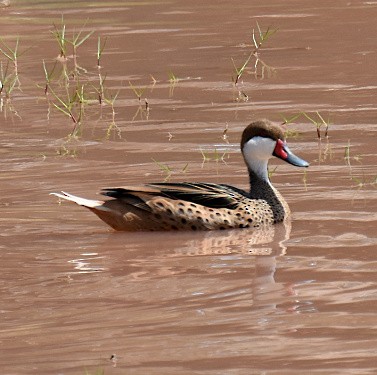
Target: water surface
<point>294,299</point>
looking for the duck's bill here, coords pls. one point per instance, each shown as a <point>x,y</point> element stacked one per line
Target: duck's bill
<point>283,152</point>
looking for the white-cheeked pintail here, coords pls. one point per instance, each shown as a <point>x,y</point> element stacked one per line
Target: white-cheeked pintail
<point>203,206</point>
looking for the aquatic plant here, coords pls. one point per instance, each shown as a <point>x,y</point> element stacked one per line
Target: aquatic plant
<point>76,41</point>
<point>225,133</point>
<point>289,120</point>
<point>11,54</point>
<point>258,38</point>
<point>173,79</point>
<point>142,111</point>
<point>100,49</point>
<point>168,171</point>
<point>347,154</point>
<point>110,100</point>
<point>164,168</point>
<point>48,75</point>
<point>215,156</point>
<point>59,35</point>
<point>359,181</point>
<point>98,372</point>
<point>319,122</point>
<point>7,80</point>
<point>72,106</point>
<point>71,87</point>
<point>138,91</point>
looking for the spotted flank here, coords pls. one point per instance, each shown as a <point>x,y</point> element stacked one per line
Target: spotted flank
<point>203,206</point>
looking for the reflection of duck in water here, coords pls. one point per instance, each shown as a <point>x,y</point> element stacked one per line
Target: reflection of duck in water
<point>265,240</point>
<point>203,206</point>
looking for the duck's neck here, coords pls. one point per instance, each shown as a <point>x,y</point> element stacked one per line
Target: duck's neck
<point>261,188</point>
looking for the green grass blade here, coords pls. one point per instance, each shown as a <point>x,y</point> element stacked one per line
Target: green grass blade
<point>84,38</point>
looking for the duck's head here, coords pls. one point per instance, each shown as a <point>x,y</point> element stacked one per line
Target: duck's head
<point>260,141</point>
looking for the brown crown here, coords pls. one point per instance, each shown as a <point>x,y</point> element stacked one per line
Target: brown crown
<point>262,128</point>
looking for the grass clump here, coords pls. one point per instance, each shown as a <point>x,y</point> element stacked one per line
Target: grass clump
<point>70,88</point>
<point>59,35</point>
<point>360,182</point>
<point>316,119</point>
<point>100,49</point>
<point>259,38</point>
<point>168,171</point>
<point>215,156</point>
<point>9,78</point>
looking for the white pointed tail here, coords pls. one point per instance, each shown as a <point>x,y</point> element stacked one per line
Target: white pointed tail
<point>80,201</point>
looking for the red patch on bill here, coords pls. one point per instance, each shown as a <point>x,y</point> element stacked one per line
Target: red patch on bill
<point>279,149</point>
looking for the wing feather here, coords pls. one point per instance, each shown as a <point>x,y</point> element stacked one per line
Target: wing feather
<point>206,194</point>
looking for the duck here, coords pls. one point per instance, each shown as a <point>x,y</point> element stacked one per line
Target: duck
<point>169,206</point>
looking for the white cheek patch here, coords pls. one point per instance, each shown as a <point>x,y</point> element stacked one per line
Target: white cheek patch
<point>256,152</point>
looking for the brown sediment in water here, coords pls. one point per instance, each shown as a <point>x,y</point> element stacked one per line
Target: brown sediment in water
<point>297,300</point>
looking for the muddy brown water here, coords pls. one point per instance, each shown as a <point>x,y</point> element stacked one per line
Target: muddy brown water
<point>300,298</point>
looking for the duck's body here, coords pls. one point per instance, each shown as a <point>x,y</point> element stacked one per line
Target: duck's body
<point>203,206</point>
